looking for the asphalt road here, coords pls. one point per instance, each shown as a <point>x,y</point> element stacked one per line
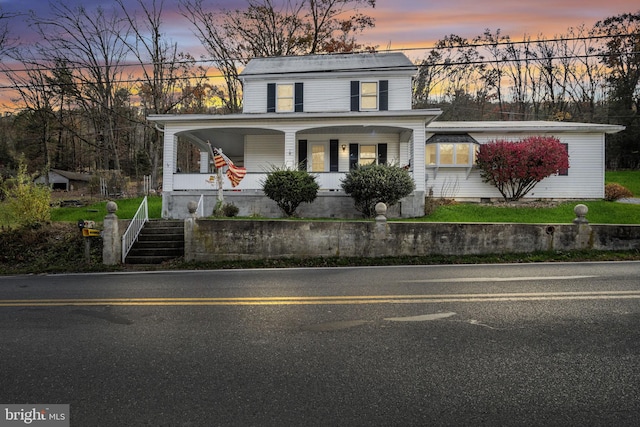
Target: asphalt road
<point>522,345</point>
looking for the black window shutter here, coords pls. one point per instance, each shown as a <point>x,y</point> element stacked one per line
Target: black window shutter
<point>382,154</point>
<point>355,95</point>
<point>299,98</point>
<point>353,156</point>
<point>271,97</point>
<point>302,154</point>
<point>384,95</point>
<point>333,155</point>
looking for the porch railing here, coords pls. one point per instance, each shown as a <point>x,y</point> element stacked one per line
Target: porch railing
<point>252,181</point>
<point>133,231</point>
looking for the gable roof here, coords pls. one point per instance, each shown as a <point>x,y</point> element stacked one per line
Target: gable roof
<point>386,61</point>
<point>72,176</point>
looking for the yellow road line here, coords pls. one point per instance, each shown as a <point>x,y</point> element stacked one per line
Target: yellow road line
<point>320,300</point>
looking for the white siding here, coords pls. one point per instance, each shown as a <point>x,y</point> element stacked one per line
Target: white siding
<point>585,179</point>
<point>323,95</point>
<point>263,152</point>
<point>254,96</point>
<point>400,94</point>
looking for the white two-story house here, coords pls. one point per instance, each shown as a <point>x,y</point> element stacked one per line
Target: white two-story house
<point>329,113</point>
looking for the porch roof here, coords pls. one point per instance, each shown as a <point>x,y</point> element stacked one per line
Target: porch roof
<point>228,131</point>
<point>428,114</point>
<point>539,126</point>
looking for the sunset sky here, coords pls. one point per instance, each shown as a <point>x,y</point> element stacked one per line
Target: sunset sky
<point>402,24</point>
<point>409,25</point>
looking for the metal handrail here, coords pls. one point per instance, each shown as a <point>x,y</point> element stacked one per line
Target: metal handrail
<point>133,231</point>
<point>200,208</point>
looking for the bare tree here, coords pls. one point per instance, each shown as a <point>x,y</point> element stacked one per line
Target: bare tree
<point>93,43</point>
<point>165,73</point>
<point>431,75</point>
<point>493,72</point>
<point>331,18</point>
<point>35,97</point>
<point>5,41</point>
<point>621,54</point>
<point>233,37</point>
<point>587,75</point>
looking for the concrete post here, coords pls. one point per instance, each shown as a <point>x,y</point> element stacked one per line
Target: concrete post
<point>189,227</point>
<point>111,237</point>
<point>380,234</point>
<point>583,238</point>
<point>581,214</point>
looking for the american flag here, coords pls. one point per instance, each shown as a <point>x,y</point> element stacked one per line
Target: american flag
<point>234,173</point>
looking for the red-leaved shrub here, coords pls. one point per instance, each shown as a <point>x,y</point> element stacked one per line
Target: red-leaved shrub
<point>515,167</point>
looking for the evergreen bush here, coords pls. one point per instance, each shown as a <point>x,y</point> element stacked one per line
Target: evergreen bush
<point>290,188</point>
<point>370,184</point>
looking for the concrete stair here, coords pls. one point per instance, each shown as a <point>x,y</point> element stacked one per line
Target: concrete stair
<point>159,241</point>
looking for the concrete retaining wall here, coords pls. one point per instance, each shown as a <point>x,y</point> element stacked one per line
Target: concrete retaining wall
<point>329,204</point>
<point>212,240</point>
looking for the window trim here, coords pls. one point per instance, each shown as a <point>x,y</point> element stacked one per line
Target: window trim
<point>292,98</point>
<point>473,151</point>
<point>374,95</point>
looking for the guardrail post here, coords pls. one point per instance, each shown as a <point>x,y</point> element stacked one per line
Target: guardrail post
<point>112,247</point>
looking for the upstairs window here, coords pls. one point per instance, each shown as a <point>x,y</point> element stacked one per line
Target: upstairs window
<point>369,95</point>
<point>285,97</point>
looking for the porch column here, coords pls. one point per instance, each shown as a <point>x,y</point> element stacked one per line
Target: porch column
<point>204,162</point>
<point>417,156</point>
<point>290,149</point>
<point>170,159</point>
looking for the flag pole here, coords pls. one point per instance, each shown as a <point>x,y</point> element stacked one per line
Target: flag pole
<point>219,179</point>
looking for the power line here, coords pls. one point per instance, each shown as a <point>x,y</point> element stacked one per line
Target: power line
<point>80,66</point>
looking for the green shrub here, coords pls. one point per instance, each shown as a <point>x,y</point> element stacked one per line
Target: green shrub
<point>28,203</point>
<point>613,192</point>
<point>230,210</point>
<point>290,188</point>
<point>371,184</point>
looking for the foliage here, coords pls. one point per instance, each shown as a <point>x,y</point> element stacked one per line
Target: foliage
<point>290,188</point>
<point>52,248</point>
<point>613,192</point>
<point>514,168</point>
<point>629,179</point>
<point>228,209</point>
<point>371,184</point>
<point>28,202</point>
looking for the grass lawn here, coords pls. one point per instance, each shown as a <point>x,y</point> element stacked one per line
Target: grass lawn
<point>96,212</point>
<point>628,179</point>
<point>600,212</point>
